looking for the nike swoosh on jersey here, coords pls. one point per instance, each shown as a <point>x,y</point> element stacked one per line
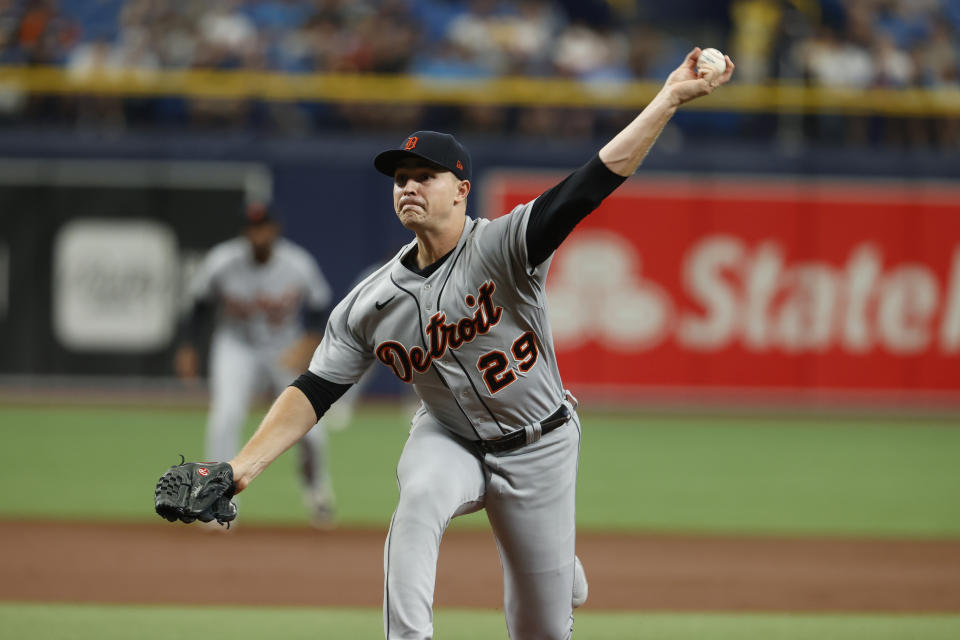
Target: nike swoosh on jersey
<point>381,305</point>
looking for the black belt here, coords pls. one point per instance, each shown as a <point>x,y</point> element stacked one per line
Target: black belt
<point>518,438</point>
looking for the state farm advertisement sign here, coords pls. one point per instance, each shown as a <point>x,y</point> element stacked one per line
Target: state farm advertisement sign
<point>757,285</point>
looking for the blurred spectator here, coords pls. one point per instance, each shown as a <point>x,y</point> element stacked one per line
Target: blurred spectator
<point>893,67</point>
<point>590,54</point>
<point>314,45</point>
<point>9,23</point>
<point>44,35</point>
<point>906,22</point>
<point>477,33</point>
<point>227,38</point>
<point>830,61</point>
<point>938,59</point>
<point>755,27</point>
<point>528,37</point>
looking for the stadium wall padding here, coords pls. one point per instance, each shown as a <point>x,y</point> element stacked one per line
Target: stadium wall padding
<point>332,201</point>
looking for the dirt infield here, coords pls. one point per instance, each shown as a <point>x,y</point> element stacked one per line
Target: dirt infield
<point>176,563</point>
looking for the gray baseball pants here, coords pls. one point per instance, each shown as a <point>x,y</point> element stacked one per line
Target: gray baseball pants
<point>237,372</point>
<point>529,495</point>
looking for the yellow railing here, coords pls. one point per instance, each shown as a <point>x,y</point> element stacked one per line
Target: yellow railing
<point>517,91</point>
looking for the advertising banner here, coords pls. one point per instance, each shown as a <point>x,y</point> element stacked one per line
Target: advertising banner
<point>95,256</point>
<point>737,285</point>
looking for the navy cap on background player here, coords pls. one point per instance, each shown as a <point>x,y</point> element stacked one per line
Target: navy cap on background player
<point>259,213</point>
<point>441,149</point>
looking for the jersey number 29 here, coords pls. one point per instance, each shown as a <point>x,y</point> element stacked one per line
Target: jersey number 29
<point>495,365</point>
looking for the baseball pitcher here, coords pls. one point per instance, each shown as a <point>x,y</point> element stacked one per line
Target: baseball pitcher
<point>460,314</point>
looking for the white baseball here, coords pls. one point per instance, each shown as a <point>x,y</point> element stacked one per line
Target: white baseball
<point>711,60</point>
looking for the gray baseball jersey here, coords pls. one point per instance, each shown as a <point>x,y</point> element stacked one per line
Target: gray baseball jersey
<point>473,338</point>
<point>261,303</point>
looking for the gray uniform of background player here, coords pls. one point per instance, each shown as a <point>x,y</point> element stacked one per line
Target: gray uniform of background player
<point>258,320</point>
<point>528,494</point>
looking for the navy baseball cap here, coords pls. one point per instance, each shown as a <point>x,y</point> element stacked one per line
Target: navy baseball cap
<point>259,213</point>
<point>441,149</point>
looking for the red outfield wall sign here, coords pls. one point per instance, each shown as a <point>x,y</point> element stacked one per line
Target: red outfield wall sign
<point>722,284</point>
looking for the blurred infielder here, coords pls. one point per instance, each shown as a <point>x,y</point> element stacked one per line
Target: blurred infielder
<point>270,299</point>
<point>460,313</point>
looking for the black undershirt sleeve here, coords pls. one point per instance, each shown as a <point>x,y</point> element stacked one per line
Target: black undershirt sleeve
<point>559,209</point>
<point>321,393</point>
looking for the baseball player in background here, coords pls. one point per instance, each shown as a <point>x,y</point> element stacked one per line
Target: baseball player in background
<point>460,314</point>
<point>269,299</point>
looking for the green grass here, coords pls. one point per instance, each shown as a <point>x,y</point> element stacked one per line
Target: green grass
<point>765,475</point>
<point>753,475</point>
<point>74,622</point>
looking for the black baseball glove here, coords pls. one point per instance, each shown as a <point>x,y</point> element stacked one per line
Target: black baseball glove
<point>197,491</point>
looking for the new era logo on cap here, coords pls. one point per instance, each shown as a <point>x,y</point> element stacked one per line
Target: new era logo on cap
<point>441,149</point>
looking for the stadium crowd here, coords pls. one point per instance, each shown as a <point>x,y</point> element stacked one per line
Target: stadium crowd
<point>832,43</point>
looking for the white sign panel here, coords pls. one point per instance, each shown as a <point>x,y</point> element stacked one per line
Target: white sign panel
<point>114,285</point>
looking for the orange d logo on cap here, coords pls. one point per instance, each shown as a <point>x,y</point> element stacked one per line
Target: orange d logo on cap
<point>440,149</point>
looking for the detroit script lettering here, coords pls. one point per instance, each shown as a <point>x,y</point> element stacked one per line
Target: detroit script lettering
<point>441,334</point>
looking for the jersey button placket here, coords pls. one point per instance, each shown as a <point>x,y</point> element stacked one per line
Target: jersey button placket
<point>426,292</point>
